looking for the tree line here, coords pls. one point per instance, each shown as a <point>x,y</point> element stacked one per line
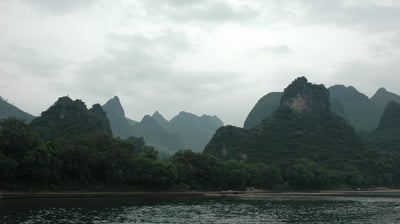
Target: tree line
<point>101,162</point>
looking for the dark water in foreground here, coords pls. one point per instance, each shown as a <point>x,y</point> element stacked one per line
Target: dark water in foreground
<point>191,211</point>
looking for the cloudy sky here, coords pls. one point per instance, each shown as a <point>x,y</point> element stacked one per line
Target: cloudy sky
<point>202,56</point>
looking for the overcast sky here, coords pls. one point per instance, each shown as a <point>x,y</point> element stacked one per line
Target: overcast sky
<point>203,56</point>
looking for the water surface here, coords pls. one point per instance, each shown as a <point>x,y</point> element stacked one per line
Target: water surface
<point>219,210</point>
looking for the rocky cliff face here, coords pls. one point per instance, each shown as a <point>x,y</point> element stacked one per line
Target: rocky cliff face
<point>302,96</point>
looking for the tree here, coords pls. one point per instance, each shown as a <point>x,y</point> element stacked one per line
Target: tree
<point>306,174</point>
<point>197,170</point>
<point>41,166</point>
<point>16,139</point>
<point>8,169</point>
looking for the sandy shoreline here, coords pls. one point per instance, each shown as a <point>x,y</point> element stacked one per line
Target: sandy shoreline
<point>196,194</point>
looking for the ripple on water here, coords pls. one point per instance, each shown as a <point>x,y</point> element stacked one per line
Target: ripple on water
<point>264,210</point>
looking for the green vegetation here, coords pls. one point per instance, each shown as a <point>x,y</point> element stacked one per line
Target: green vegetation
<point>100,162</point>
<point>301,146</point>
<point>71,117</point>
<point>313,147</point>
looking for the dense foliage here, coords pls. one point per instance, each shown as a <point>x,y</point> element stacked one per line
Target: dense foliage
<point>100,162</point>
<point>71,117</point>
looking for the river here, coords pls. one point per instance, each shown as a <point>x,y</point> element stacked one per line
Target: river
<point>277,209</point>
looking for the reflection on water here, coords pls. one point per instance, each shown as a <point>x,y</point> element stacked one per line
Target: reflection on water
<point>263,210</point>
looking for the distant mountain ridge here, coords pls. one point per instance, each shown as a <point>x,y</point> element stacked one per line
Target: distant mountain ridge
<point>120,125</point>
<point>194,131</point>
<point>8,110</point>
<point>387,135</point>
<point>157,136</point>
<point>360,111</point>
<point>184,131</point>
<point>382,97</point>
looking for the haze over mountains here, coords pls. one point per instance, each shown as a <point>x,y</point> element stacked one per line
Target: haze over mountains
<point>361,112</point>
<point>9,110</point>
<point>184,131</point>
<point>304,144</point>
<point>387,135</point>
<point>189,131</point>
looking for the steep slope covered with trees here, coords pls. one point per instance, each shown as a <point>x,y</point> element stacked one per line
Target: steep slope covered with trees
<point>302,127</point>
<point>71,117</point>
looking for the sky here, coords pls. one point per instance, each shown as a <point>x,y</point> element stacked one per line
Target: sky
<point>215,57</point>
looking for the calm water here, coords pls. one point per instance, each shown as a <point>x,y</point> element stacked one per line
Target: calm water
<point>190,211</point>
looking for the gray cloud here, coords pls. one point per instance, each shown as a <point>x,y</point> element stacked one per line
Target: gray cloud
<point>276,50</point>
<point>373,75</point>
<point>147,63</point>
<point>205,11</point>
<point>60,6</point>
<point>362,14</point>
<point>31,61</point>
<point>176,55</point>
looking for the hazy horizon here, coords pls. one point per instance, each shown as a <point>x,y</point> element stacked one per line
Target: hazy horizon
<point>204,57</point>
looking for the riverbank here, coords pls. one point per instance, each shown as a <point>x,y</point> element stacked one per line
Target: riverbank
<point>197,194</point>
